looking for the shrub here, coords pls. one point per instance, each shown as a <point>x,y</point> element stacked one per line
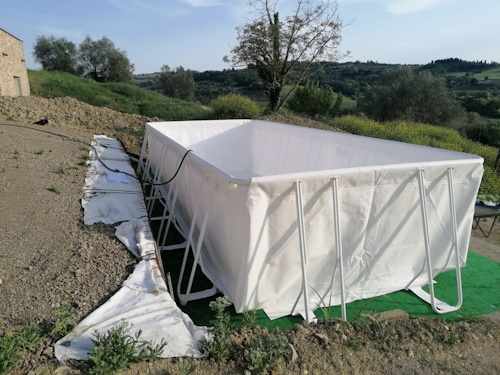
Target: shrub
<point>234,106</point>
<point>314,100</point>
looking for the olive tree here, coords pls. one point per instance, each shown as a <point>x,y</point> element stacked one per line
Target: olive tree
<point>178,83</point>
<point>404,94</point>
<point>288,51</point>
<point>103,62</point>
<point>55,54</point>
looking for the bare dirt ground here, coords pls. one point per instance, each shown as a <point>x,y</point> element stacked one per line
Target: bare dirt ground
<point>48,256</point>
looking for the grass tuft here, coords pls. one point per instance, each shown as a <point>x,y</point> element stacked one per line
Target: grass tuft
<point>60,170</point>
<point>53,189</point>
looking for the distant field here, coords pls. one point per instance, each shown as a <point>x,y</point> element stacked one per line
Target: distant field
<point>493,73</point>
<point>348,103</point>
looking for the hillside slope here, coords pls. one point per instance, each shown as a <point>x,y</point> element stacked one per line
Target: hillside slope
<point>73,114</point>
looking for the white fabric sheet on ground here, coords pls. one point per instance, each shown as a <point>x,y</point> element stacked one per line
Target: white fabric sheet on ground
<point>110,201</point>
<point>143,301</point>
<point>251,247</point>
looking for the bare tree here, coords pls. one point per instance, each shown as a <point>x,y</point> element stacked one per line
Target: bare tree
<point>289,51</point>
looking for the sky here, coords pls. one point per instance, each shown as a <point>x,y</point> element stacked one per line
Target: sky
<point>196,34</point>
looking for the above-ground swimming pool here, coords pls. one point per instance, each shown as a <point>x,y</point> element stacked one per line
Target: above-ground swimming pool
<point>288,218</point>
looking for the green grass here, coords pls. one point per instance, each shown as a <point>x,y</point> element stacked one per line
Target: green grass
<point>53,189</point>
<point>348,103</point>
<point>122,97</point>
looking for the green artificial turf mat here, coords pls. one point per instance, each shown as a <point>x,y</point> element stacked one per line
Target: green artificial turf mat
<point>481,294</point>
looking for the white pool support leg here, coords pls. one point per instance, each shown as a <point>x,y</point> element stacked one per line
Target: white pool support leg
<point>189,240</point>
<point>303,249</point>
<point>153,189</point>
<point>171,208</point>
<point>158,175</point>
<point>187,296</point>
<point>338,246</point>
<point>455,238</point>
<point>141,164</point>
<point>437,305</point>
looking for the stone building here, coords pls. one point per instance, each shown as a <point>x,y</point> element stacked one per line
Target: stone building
<point>13,73</point>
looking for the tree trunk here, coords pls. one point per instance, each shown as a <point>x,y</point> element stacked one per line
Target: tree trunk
<point>274,99</point>
<point>495,167</point>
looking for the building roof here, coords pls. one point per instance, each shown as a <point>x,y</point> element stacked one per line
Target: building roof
<point>10,34</point>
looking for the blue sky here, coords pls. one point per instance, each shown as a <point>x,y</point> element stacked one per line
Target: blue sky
<point>198,33</point>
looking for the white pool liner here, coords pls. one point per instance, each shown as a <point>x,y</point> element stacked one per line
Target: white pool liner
<point>245,173</point>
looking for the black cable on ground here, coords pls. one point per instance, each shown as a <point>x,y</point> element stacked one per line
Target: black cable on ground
<point>97,155</point>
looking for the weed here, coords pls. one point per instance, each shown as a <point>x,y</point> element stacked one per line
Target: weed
<point>250,318</point>
<point>488,327</point>
<point>3,169</point>
<point>73,167</point>
<point>60,170</point>
<point>473,317</point>
<point>84,159</point>
<point>451,338</point>
<point>9,352</point>
<point>16,151</point>
<point>356,342</point>
<point>53,189</point>
<point>324,307</point>
<point>83,148</point>
<point>39,152</point>
<point>13,343</point>
<point>117,349</point>
<point>65,320</point>
<point>219,347</point>
<point>187,368</point>
<point>28,336</point>
<point>263,352</point>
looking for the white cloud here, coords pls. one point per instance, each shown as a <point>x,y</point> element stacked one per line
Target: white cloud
<point>400,7</point>
<point>158,7</point>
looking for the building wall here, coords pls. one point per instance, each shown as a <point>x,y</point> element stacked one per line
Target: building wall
<point>13,73</point>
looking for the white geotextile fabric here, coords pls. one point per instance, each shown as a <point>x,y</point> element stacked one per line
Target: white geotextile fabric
<point>251,247</point>
<point>143,301</point>
<point>111,201</point>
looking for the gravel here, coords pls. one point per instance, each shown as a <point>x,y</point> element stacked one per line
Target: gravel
<point>47,255</point>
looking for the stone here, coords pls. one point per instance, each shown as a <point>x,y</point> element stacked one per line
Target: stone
<point>292,354</point>
<point>322,338</point>
<point>393,315</point>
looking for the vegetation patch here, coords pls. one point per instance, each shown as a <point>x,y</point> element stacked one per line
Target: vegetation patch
<point>116,349</point>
